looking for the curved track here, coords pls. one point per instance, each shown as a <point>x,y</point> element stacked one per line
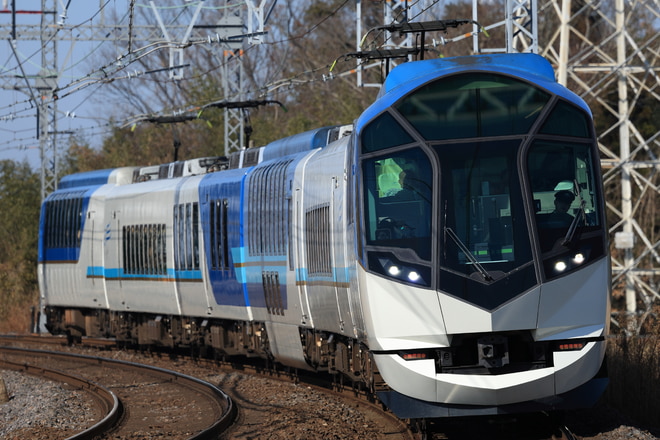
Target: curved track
<point>105,400</point>
<point>539,427</point>
<point>128,378</point>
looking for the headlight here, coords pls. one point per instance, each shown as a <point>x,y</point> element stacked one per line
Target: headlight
<point>387,264</point>
<point>566,261</point>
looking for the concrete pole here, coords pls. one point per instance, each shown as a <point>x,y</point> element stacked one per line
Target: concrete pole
<point>624,140</point>
<point>564,42</point>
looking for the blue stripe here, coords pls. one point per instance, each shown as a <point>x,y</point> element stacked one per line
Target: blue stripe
<point>188,274</point>
<point>339,275</point>
<point>117,273</point>
<point>238,256</point>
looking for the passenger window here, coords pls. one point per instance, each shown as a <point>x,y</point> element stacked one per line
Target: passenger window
<point>64,221</point>
<point>186,231</point>
<point>143,249</point>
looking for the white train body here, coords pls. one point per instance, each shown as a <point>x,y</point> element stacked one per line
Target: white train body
<point>292,252</point>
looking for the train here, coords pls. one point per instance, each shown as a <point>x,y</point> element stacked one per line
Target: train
<point>447,251</point>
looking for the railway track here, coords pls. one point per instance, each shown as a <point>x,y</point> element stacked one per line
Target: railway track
<point>46,339</point>
<point>252,408</point>
<point>270,400</point>
<point>156,400</point>
<point>105,400</point>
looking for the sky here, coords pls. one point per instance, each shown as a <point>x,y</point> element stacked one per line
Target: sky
<point>81,111</point>
<point>78,112</point>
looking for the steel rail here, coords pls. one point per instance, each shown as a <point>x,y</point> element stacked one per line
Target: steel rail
<point>47,339</point>
<point>212,432</point>
<point>107,400</point>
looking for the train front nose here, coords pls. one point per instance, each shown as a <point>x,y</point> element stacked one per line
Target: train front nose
<point>572,382</point>
<point>446,356</point>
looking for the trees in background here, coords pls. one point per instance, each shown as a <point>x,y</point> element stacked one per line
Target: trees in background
<point>19,217</point>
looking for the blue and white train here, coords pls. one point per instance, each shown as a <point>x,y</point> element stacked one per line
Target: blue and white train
<point>448,249</point>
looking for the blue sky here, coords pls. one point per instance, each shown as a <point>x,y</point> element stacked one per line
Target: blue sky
<point>78,112</point>
<point>82,108</point>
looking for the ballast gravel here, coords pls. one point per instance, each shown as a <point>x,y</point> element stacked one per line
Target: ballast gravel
<point>45,410</point>
<point>40,409</point>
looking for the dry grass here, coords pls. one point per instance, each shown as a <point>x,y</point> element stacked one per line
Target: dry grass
<point>16,318</point>
<point>634,370</point>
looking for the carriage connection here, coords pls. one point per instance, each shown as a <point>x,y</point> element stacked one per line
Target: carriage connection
<point>448,249</point>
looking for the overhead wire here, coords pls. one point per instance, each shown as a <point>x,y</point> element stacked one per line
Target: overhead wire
<point>292,81</point>
<point>27,59</point>
<point>289,81</point>
<point>109,72</point>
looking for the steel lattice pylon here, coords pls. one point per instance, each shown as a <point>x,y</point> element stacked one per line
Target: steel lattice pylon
<point>50,33</point>
<point>597,49</point>
<point>232,81</point>
<point>600,52</point>
<point>46,83</point>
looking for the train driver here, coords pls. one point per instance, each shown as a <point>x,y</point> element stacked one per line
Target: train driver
<point>560,216</point>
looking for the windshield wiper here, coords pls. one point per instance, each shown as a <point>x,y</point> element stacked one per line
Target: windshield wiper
<point>573,228</point>
<point>484,273</point>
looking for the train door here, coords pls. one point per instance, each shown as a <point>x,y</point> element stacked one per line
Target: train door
<point>94,272</point>
<point>297,237</point>
<point>112,259</point>
<point>339,257</point>
<point>190,287</point>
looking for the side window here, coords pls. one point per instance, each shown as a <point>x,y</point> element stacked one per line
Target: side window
<point>64,221</point>
<point>143,249</point>
<point>398,200</point>
<point>219,244</point>
<point>267,223</point>
<point>186,236</point>
<point>188,232</point>
<point>566,203</point>
<point>563,188</point>
<point>382,133</point>
<point>318,243</point>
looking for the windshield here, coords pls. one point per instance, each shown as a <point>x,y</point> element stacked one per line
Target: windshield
<point>566,203</point>
<point>481,209</point>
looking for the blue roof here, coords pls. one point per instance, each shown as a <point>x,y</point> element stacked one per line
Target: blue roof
<point>89,178</point>
<point>525,65</point>
<point>297,143</point>
<point>408,76</point>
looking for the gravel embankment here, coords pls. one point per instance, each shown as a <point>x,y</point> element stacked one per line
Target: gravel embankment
<point>45,410</point>
<point>42,408</point>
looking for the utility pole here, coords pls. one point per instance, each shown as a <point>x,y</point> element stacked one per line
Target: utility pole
<point>624,140</point>
<point>41,93</point>
<point>232,84</point>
